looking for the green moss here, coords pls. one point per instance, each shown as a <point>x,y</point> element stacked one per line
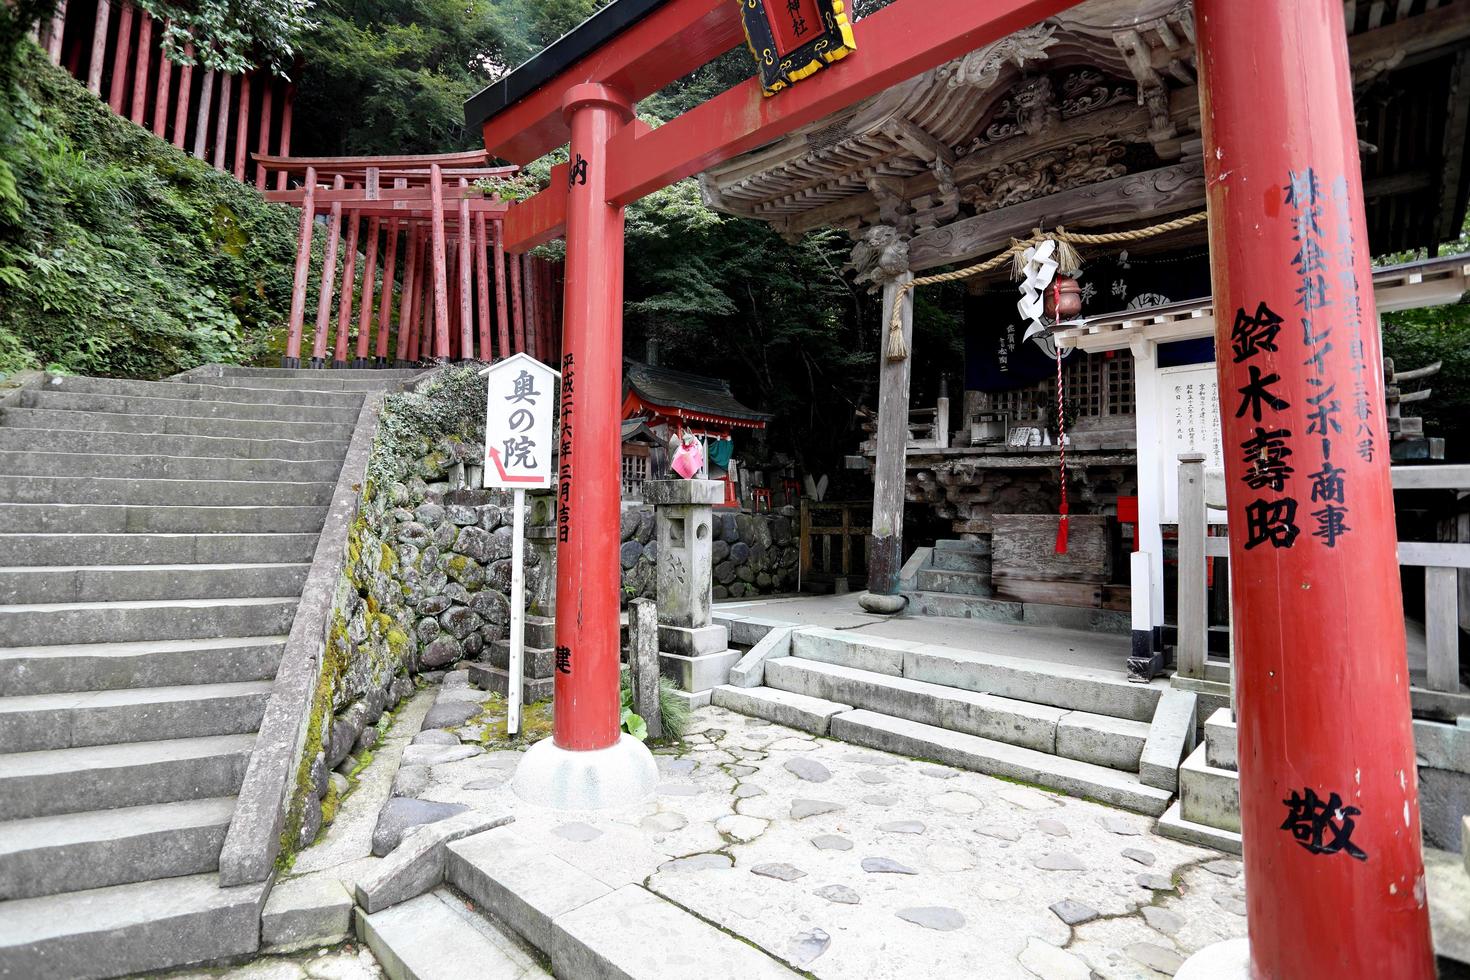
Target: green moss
<point>334,663</point>
<point>387,559</point>
<point>397,643</point>
<point>536,724</point>
<point>330,804</point>
<point>455,565</point>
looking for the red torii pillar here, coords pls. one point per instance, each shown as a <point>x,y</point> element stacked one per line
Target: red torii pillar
<point>466,280</point>
<point>482,292</point>
<point>589,762</point>
<point>502,318</point>
<point>406,298</point>
<point>329,278</point>
<point>294,325</point>
<point>369,294</point>
<point>1330,814</point>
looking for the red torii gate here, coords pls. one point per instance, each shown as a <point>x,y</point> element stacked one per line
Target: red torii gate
<point>453,249</point>
<point>1322,698</point>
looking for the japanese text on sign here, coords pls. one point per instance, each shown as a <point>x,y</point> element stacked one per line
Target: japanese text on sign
<point>519,421</point>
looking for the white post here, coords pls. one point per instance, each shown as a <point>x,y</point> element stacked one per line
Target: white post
<point>1193,642</point>
<point>517,613</point>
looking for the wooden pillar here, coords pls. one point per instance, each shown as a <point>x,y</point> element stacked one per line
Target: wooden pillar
<point>186,92</point>
<point>162,92</point>
<point>428,303</point>
<point>349,279</point>
<point>242,126</point>
<point>502,317</point>
<point>141,62</point>
<point>482,290</point>
<point>451,270</point>
<point>99,47</point>
<point>58,28</point>
<point>385,302</point>
<point>517,308</point>
<point>440,263</point>
<point>263,137</point>
<point>885,553</point>
<point>369,293</point>
<point>329,278</point>
<point>405,349</point>
<point>288,102</point>
<point>533,320</point>
<point>122,58</point>
<point>294,325</point>
<point>222,120</point>
<point>201,118</point>
<point>466,278</point>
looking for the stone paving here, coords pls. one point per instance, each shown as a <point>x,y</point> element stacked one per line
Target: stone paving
<point>845,862</point>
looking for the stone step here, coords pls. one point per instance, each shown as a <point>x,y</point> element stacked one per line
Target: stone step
<point>39,624</point>
<point>435,937</point>
<point>1097,739</point>
<point>1220,740</point>
<point>978,546</point>
<point>181,425</point>
<point>136,443</point>
<point>783,707</point>
<point>540,631</point>
<point>76,851</point>
<point>51,550</point>
<point>384,373</point>
<point>124,929</point>
<point>105,490</point>
<point>83,401</point>
<point>164,518</point>
<point>1207,795</point>
<point>333,380</point>
<point>1173,825</point>
<point>537,663</point>
<point>165,467</point>
<point>100,583</point>
<point>30,723</point>
<point>147,663</point>
<point>958,560</point>
<point>964,607</point>
<point>496,680</point>
<point>964,751</point>
<point>957,583</point>
<point>290,395</point>
<point>102,777</point>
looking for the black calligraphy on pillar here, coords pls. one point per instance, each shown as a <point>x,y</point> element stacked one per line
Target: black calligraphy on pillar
<point>564,477</point>
<point>1320,289</point>
<point>1322,827</point>
<point>1345,269</point>
<point>577,171</point>
<point>1268,520</point>
<point>563,660</point>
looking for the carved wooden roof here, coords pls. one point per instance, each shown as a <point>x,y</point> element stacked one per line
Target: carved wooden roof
<point>1092,118</point>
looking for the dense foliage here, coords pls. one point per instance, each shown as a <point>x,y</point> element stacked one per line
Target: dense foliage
<point>120,255</point>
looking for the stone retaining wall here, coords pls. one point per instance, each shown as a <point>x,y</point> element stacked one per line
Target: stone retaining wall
<point>752,554</point>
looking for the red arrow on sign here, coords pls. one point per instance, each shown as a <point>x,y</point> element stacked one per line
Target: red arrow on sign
<point>495,455</point>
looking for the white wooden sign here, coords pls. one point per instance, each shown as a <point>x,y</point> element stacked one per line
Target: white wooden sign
<point>1189,422</point>
<point>520,417</point>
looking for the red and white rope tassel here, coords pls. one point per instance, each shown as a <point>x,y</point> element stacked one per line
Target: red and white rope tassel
<point>1061,545</point>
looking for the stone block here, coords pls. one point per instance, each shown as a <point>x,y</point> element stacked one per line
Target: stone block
<point>632,934</point>
<point>831,646</point>
<point>497,681</point>
<point>1220,740</point>
<point>536,662</point>
<point>1060,685</point>
<point>1102,740</point>
<point>693,700</point>
<point>698,673</point>
<point>434,937</point>
<point>692,642</point>
<point>417,864</point>
<point>783,707</point>
<point>751,670</point>
<point>313,910</point>
<point>520,883</point>
<point>688,493</point>
<point>1442,746</point>
<point>1172,825</point>
<point>1171,738</point>
<point>643,659</point>
<point>749,630</point>
<point>1207,795</point>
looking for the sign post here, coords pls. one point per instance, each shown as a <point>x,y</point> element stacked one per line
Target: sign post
<point>520,399</point>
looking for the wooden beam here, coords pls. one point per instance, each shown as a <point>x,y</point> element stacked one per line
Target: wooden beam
<point>201,119</point>
<point>122,58</point>
<point>140,66</point>
<point>242,126</point>
<point>99,47</point>
<point>540,218</point>
<point>222,120</point>
<point>162,92</point>
<point>181,104</point>
<point>1453,150</point>
<point>329,166</point>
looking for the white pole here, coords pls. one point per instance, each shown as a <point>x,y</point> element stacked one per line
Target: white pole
<point>517,613</point>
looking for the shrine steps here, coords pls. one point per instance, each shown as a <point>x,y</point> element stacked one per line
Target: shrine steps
<point>155,538</point>
<point>964,606</point>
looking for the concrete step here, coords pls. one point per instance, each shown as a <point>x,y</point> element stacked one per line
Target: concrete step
<point>165,518</point>
<point>290,395</point>
<point>165,467</point>
<point>1173,825</point>
<point>1113,742</point>
<point>180,425</point>
<point>957,583</point>
<point>135,443</point>
<point>324,380</point>
<point>76,851</point>
<point>436,937</point>
<point>148,663</point>
<point>39,624</point>
<point>124,929</point>
<point>385,373</point>
<point>98,583</point>
<point>1220,740</point>
<point>964,751</point>
<point>51,550</point>
<point>964,607</point>
<point>83,401</point>
<point>783,707</point>
<point>166,493</point>
<point>63,721</point>
<point>101,777</point>
<point>1207,795</point>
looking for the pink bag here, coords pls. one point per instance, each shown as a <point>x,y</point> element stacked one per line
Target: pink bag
<point>688,458</point>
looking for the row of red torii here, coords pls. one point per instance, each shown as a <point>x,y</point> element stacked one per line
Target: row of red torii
<point>441,238</point>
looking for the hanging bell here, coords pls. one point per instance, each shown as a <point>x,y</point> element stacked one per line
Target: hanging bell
<point>1063,299</point>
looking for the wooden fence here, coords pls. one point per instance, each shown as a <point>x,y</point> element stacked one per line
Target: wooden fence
<point>834,544</point>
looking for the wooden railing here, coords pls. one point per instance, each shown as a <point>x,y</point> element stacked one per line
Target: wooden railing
<point>1442,562</point>
<point>834,543</point>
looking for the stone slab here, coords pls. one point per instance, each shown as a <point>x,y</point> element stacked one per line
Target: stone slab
<point>433,937</point>
<point>691,641</point>
<point>783,707</point>
<point>417,864</point>
<point>1173,826</point>
<point>751,669</point>
<point>842,647</point>
<point>1101,740</point>
<point>1208,795</point>
<point>312,910</point>
<point>632,934</point>
<point>1220,740</point>
<point>698,673</point>
<point>1171,739</point>
<point>520,883</point>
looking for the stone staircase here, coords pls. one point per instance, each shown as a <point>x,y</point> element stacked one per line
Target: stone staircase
<point>1083,732</point>
<point>154,541</point>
